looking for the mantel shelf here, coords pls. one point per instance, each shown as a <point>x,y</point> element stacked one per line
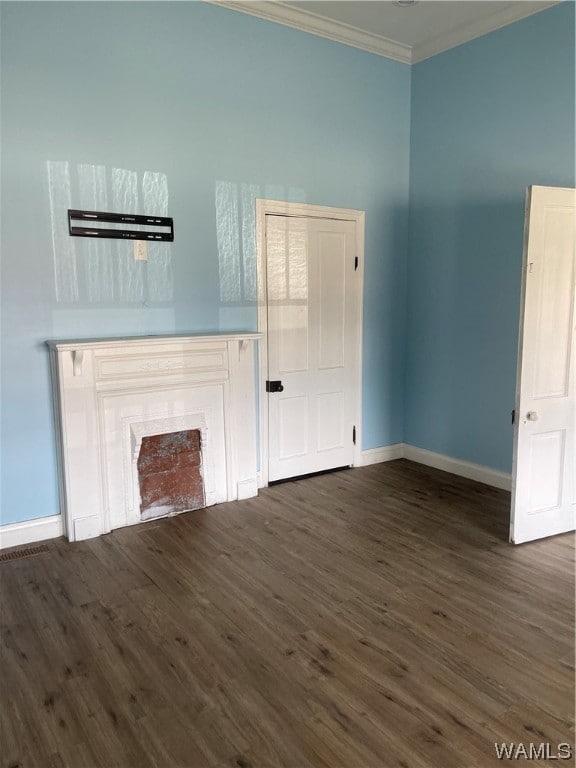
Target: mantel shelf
<point>118,341</point>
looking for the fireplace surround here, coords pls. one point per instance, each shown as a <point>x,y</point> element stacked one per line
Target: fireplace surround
<point>110,395</point>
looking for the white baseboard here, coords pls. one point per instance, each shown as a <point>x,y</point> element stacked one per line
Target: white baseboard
<point>459,467</point>
<point>44,528</point>
<point>30,531</point>
<point>247,488</point>
<point>377,455</point>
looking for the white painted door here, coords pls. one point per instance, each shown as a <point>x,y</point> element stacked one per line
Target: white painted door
<point>313,343</point>
<point>544,487</point>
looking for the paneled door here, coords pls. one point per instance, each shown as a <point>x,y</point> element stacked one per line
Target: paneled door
<point>544,487</point>
<point>313,290</point>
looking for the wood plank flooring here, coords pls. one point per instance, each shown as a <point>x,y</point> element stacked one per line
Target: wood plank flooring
<point>371,618</point>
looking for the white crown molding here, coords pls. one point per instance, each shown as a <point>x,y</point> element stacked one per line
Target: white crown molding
<point>463,34</point>
<point>31,531</point>
<point>321,27</point>
<point>314,24</point>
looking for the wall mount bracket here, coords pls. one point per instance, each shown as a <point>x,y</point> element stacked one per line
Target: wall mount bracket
<point>150,226</point>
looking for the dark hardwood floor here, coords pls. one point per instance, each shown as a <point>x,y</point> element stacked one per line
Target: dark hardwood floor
<point>370,618</point>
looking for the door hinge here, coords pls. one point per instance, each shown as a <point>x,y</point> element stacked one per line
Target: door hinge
<point>513,416</point>
<point>355,263</point>
<point>354,435</point>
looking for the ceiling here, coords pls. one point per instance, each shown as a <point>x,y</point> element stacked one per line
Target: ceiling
<point>408,34</point>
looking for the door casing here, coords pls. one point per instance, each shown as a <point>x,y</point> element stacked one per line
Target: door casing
<point>303,210</point>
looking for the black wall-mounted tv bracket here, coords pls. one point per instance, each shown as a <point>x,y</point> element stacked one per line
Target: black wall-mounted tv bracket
<point>128,219</point>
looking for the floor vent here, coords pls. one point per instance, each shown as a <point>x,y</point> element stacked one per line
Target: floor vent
<point>7,557</point>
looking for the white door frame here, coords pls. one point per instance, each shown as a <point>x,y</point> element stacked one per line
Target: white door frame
<point>280,208</point>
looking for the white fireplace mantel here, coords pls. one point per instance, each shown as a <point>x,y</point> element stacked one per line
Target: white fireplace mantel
<point>108,393</point>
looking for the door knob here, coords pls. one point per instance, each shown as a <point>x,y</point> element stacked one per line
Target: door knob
<point>532,416</point>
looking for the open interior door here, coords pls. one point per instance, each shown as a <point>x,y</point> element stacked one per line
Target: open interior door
<point>543,478</point>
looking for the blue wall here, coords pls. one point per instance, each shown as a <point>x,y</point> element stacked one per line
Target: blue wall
<point>195,110</point>
<point>488,119</point>
<point>120,105</point>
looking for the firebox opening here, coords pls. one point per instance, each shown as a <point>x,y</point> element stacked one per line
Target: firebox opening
<point>170,474</point>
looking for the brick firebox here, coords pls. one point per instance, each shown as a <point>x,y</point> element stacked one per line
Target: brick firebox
<point>170,473</point>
